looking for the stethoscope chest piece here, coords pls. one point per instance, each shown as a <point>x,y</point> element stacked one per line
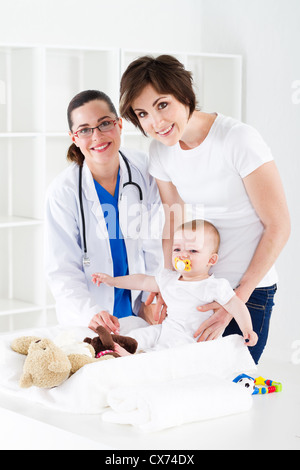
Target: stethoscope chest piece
<point>86,261</point>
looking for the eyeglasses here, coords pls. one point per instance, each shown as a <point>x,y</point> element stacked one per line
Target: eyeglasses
<point>87,132</point>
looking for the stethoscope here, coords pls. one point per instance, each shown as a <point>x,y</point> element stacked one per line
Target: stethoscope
<point>130,183</point>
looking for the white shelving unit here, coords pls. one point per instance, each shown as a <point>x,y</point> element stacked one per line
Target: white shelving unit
<point>36,86</point>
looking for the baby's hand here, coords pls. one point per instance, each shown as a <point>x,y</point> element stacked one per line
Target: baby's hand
<point>99,278</point>
<point>251,338</point>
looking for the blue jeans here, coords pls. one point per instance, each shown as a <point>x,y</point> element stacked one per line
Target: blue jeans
<point>260,306</point>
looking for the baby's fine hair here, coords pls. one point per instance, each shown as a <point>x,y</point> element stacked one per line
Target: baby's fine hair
<point>200,224</point>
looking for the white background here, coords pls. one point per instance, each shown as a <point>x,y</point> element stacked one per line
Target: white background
<point>265,32</point>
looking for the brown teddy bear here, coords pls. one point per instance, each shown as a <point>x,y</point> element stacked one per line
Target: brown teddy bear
<point>104,343</point>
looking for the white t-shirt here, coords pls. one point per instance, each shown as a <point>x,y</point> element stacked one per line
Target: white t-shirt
<point>183,298</point>
<point>210,179</point>
<point>183,320</point>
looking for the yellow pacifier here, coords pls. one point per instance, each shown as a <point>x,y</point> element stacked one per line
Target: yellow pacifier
<point>182,264</point>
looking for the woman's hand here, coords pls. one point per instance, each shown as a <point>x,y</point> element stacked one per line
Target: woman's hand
<point>109,322</point>
<point>250,338</point>
<point>159,310</point>
<point>213,327</point>
<point>147,313</point>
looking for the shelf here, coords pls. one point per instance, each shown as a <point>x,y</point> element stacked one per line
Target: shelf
<point>37,83</point>
<point>21,255</point>
<point>217,83</point>
<point>22,180</point>
<point>13,307</point>
<point>11,221</point>
<point>21,89</point>
<point>8,135</point>
<point>56,148</point>
<point>217,79</point>
<point>79,70</point>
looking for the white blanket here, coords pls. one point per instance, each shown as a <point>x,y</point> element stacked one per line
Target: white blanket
<point>91,389</point>
<point>170,403</point>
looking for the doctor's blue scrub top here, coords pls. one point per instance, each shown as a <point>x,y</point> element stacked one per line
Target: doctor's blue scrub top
<point>109,203</point>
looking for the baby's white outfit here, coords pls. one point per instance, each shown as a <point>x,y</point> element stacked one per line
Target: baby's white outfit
<point>183,320</point>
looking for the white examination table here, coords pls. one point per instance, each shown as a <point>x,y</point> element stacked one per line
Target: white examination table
<point>273,422</point>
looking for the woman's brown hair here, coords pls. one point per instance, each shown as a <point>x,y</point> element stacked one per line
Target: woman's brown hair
<point>74,153</point>
<point>165,73</point>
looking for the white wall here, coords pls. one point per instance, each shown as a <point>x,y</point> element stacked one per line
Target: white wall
<point>265,32</point>
<point>148,24</point>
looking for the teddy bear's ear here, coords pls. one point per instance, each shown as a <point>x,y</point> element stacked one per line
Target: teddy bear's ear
<point>21,345</point>
<point>26,380</point>
<point>105,338</point>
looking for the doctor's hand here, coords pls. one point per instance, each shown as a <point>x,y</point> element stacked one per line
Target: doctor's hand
<point>214,326</point>
<point>159,309</point>
<point>109,322</point>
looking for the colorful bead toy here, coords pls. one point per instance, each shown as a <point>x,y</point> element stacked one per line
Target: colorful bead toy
<point>258,386</point>
<point>267,386</point>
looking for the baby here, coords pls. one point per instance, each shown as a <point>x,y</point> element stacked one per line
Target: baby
<point>188,286</point>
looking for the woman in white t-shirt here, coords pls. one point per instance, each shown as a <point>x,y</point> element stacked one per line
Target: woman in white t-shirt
<point>225,171</point>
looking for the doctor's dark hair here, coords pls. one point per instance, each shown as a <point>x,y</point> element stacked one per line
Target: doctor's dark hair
<point>74,153</point>
<point>165,73</point>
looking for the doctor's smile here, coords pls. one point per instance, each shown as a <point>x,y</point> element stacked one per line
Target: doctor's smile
<point>94,226</point>
<point>101,148</point>
<point>98,133</point>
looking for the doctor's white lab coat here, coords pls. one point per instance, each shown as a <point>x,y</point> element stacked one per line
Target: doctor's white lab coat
<point>77,298</point>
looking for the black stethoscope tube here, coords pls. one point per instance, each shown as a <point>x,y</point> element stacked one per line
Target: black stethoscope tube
<point>130,177</point>
<point>86,260</point>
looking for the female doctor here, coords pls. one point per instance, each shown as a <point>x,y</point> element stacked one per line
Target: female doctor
<point>100,214</point>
